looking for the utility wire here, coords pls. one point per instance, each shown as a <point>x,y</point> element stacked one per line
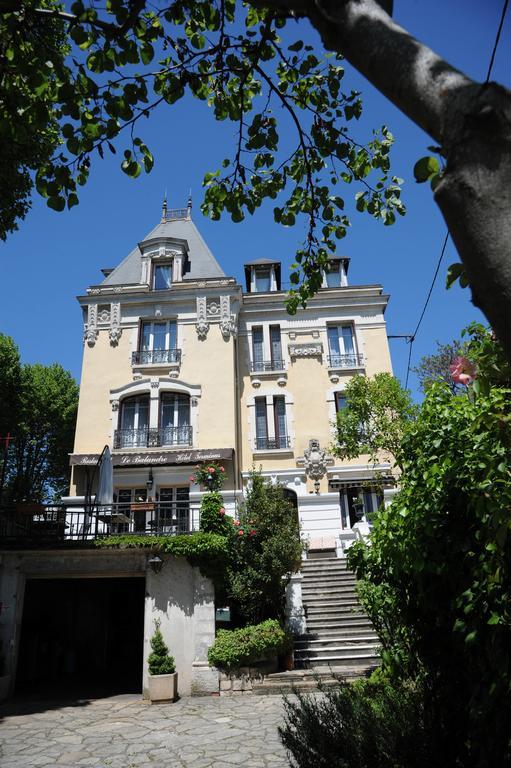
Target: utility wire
<point>497,38</point>
<point>411,338</point>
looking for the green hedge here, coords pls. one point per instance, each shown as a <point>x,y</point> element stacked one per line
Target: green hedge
<point>239,647</point>
<point>207,551</point>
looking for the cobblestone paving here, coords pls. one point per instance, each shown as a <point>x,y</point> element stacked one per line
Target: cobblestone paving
<point>124,732</point>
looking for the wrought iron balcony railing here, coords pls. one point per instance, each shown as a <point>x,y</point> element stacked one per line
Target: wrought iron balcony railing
<point>345,361</point>
<point>63,523</point>
<point>260,366</point>
<point>272,443</point>
<point>153,438</point>
<point>156,357</point>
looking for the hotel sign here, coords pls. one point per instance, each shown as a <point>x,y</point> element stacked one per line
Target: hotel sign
<point>156,458</point>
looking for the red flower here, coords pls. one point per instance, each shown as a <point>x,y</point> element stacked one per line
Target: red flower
<point>191,479</point>
<point>462,371</point>
<point>221,511</point>
<point>235,522</point>
<point>222,469</point>
<point>252,532</point>
<point>240,533</point>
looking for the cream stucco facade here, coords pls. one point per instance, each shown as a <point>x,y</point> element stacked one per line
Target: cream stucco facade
<point>182,364</point>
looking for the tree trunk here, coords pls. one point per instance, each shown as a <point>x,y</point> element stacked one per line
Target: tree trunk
<point>470,121</point>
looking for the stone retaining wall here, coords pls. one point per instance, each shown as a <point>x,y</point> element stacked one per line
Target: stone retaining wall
<point>240,681</point>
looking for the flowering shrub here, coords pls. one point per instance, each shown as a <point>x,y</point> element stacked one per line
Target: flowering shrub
<point>212,515</point>
<point>209,475</point>
<point>462,371</point>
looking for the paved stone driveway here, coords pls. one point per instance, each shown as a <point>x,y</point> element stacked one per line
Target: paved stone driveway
<point>123,732</point>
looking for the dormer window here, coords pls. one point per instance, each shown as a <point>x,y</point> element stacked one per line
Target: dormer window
<point>335,274</point>
<point>162,276</point>
<point>262,280</point>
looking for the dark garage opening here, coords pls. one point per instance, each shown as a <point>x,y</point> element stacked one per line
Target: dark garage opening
<point>82,637</point>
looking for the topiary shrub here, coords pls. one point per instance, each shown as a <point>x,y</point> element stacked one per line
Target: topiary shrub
<point>238,647</point>
<point>160,662</point>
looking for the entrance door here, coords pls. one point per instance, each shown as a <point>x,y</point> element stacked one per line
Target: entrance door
<point>82,637</point>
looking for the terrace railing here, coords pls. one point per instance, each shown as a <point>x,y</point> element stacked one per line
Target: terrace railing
<point>56,523</point>
<point>153,438</point>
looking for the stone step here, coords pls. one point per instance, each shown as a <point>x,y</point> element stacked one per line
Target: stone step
<point>346,621</point>
<point>355,659</point>
<point>337,631</point>
<point>334,607</point>
<point>336,641</point>
<point>328,578</point>
<point>326,570</point>
<point>318,594</point>
<point>342,651</point>
<point>309,678</point>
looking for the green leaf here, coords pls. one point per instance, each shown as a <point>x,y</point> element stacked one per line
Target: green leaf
<point>58,203</point>
<point>454,273</point>
<point>425,168</point>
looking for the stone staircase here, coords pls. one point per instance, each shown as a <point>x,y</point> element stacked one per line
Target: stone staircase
<point>340,640</point>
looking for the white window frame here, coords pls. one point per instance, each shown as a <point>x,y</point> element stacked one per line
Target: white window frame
<point>152,323</point>
<point>267,356</point>
<point>269,394</point>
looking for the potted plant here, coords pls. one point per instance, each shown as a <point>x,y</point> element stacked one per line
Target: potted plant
<point>162,669</point>
<point>5,680</point>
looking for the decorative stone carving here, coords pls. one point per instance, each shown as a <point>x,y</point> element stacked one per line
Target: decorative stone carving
<point>213,308</point>
<point>104,315</point>
<point>115,331</point>
<point>202,325</point>
<point>306,350</point>
<point>157,310</point>
<point>227,320</point>
<point>115,405</point>
<point>91,326</point>
<point>315,460</point>
<point>155,383</point>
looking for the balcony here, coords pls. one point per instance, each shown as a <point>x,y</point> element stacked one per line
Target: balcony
<point>153,438</point>
<point>64,524</point>
<point>345,361</point>
<point>280,443</point>
<point>156,357</point>
<point>266,366</point>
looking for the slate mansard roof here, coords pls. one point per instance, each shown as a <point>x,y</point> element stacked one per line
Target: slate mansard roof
<point>202,262</point>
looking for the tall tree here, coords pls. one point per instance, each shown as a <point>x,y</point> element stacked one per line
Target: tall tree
<point>374,419</point>
<point>10,385</point>
<point>232,56</point>
<point>38,466</point>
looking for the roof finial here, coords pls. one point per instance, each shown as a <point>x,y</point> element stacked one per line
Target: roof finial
<point>189,209</point>
<point>164,207</point>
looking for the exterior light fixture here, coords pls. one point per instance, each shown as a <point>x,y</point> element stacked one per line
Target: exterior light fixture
<point>317,486</point>
<point>150,481</point>
<point>155,563</point>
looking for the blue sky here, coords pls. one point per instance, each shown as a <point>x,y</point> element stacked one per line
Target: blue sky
<point>55,256</point>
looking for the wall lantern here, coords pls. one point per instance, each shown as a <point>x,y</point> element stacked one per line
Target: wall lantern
<point>317,486</point>
<point>150,481</point>
<point>155,563</point>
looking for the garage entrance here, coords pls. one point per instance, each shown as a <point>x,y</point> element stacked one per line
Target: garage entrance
<point>82,637</point>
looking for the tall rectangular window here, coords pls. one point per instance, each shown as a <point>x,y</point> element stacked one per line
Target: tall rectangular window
<point>162,276</point>
<point>333,274</point>
<point>279,412</point>
<point>340,401</point>
<point>341,345</point>
<point>262,280</point>
<point>158,342</point>
<point>257,348</point>
<point>175,419</point>
<point>261,423</point>
<point>276,347</point>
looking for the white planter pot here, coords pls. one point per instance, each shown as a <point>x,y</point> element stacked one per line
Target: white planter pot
<point>163,687</point>
<point>5,684</point>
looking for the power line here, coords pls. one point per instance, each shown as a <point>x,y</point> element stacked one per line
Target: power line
<point>497,39</point>
<point>411,338</point>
